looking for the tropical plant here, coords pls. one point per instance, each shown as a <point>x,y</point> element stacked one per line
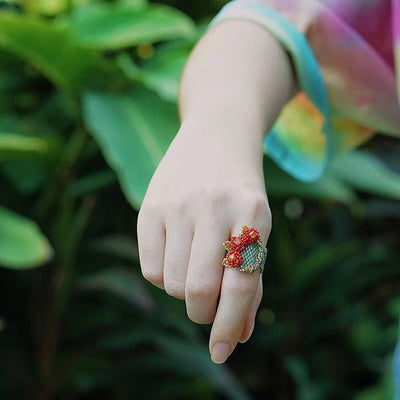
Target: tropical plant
<point>88,95</point>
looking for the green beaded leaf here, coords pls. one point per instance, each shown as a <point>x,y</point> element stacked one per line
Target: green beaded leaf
<point>252,254</point>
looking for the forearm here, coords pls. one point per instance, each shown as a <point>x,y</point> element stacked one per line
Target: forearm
<point>211,181</point>
<point>237,74</point>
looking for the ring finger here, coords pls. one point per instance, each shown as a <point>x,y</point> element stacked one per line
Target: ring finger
<point>238,291</point>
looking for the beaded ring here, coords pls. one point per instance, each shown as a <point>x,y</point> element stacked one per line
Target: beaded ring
<point>245,252</point>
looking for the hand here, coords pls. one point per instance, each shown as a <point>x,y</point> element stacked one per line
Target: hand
<point>208,185</point>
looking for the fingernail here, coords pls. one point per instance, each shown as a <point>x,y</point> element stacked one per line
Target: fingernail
<point>248,337</point>
<point>220,352</point>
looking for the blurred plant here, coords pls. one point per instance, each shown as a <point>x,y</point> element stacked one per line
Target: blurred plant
<point>81,80</point>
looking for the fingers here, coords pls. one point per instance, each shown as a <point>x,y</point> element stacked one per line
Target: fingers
<point>183,255</point>
<point>205,270</point>
<point>238,295</point>
<point>179,234</point>
<point>250,320</point>
<point>151,242</point>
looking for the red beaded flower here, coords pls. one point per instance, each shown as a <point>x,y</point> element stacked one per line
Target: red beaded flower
<point>238,243</point>
<point>234,258</point>
<point>251,234</point>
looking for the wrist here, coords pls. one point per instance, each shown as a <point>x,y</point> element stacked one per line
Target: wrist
<point>233,141</point>
<point>229,122</point>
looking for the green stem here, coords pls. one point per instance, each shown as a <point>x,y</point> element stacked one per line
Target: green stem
<point>68,251</point>
<point>68,158</point>
<point>63,280</point>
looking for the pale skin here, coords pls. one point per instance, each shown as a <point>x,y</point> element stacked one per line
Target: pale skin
<point>211,180</point>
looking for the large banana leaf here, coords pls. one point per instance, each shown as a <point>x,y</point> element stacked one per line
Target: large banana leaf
<point>133,131</point>
<point>162,72</point>
<point>114,26</point>
<point>133,142</point>
<point>367,173</point>
<point>22,245</point>
<point>280,184</point>
<point>48,47</point>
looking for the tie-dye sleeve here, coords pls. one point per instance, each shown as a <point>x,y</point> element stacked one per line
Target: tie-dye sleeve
<point>347,84</point>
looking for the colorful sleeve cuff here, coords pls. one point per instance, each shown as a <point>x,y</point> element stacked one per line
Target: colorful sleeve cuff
<point>309,107</point>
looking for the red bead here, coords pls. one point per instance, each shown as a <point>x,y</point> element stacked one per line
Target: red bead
<point>237,243</point>
<point>246,240</point>
<point>236,240</point>
<point>234,258</point>
<point>252,235</point>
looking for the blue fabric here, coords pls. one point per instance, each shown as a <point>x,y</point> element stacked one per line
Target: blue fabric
<point>308,75</point>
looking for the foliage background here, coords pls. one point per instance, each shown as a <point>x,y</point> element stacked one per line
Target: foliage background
<point>88,95</point>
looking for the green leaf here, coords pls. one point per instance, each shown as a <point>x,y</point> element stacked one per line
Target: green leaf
<point>25,175</point>
<point>162,72</point>
<point>366,173</point>
<point>47,7</point>
<point>14,145</point>
<point>92,183</point>
<point>47,46</point>
<point>118,246</point>
<point>122,282</point>
<point>306,389</point>
<point>114,26</point>
<point>135,3</point>
<point>192,358</point>
<point>22,245</point>
<point>280,184</point>
<point>133,131</point>
<point>384,389</point>
<point>26,160</point>
<point>320,260</point>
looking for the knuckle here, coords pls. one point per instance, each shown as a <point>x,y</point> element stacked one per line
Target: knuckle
<point>200,290</point>
<point>146,257</point>
<point>266,227</point>
<point>241,287</point>
<point>259,205</point>
<point>141,222</point>
<point>175,290</point>
<point>261,212</point>
<point>226,333</point>
<point>199,319</point>
<point>217,198</point>
<point>268,217</point>
<point>148,210</point>
<point>178,206</point>
<point>155,277</point>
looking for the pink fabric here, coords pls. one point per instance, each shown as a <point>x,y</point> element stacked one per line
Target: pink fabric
<point>356,44</point>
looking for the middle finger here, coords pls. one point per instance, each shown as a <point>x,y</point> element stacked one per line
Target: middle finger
<point>205,270</point>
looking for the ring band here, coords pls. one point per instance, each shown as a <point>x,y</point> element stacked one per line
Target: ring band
<point>245,252</point>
